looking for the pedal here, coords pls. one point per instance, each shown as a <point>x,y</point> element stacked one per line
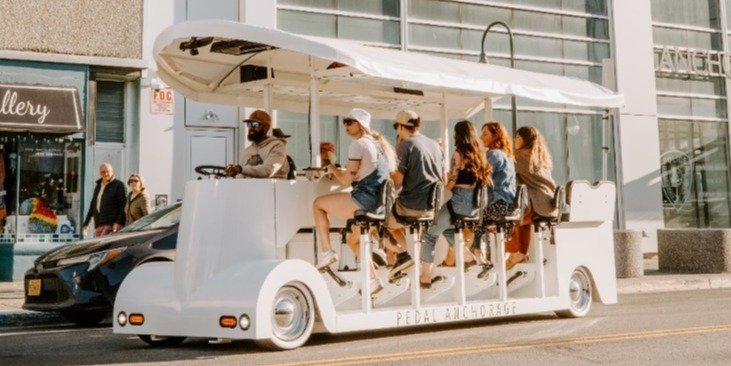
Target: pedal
<point>396,277</point>
<point>485,270</point>
<point>341,282</point>
<point>516,276</point>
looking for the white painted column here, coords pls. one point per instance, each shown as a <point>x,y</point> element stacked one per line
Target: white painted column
<point>638,135</point>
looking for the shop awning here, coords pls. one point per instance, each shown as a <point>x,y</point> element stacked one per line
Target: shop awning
<point>222,62</point>
<point>39,108</point>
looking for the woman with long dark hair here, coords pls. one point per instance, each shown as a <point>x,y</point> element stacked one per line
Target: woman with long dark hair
<point>469,170</point>
<point>533,167</point>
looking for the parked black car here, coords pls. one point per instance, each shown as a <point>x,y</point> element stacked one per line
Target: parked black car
<point>80,280</point>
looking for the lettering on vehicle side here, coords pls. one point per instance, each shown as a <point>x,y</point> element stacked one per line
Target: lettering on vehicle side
<point>455,313</point>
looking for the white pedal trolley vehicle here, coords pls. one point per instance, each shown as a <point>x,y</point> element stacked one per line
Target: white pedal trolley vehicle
<point>244,267</point>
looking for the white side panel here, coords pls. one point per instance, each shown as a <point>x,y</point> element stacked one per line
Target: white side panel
<point>234,230</point>
<point>245,289</point>
<point>590,245</point>
<point>592,202</point>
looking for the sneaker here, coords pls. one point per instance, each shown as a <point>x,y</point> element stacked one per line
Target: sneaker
<point>326,259</point>
<point>403,262</point>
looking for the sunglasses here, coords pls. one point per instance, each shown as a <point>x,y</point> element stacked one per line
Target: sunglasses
<point>348,122</point>
<point>395,126</point>
<point>251,123</point>
<point>133,181</point>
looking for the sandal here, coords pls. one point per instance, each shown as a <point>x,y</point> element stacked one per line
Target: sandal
<point>433,281</point>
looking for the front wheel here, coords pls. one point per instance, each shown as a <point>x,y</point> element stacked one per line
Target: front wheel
<point>156,341</point>
<point>579,295</point>
<point>292,318</point>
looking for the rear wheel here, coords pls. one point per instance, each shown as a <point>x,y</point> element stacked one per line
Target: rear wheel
<point>156,341</point>
<point>580,294</point>
<point>292,318</point>
<point>85,317</point>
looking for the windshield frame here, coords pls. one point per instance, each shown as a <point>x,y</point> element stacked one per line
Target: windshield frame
<point>146,223</point>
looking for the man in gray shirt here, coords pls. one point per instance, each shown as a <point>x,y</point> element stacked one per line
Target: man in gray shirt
<point>421,165</point>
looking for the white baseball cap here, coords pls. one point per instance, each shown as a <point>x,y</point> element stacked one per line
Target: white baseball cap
<point>360,115</point>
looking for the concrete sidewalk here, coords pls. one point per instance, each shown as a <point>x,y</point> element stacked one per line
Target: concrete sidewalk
<point>12,313</point>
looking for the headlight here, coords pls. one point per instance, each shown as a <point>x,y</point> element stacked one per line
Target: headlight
<point>94,259</point>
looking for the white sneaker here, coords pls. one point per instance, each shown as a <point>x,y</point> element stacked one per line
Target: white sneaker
<point>376,286</point>
<point>326,259</point>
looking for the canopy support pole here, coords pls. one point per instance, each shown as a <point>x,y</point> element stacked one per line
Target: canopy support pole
<point>444,128</point>
<point>314,120</point>
<point>488,110</point>
<point>268,91</point>
<point>606,119</point>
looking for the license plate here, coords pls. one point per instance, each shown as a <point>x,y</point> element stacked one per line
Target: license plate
<point>34,287</point>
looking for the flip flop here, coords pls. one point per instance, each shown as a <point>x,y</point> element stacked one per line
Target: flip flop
<point>433,281</point>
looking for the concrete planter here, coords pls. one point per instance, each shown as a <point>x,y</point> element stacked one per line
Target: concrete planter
<point>628,258</point>
<point>694,250</point>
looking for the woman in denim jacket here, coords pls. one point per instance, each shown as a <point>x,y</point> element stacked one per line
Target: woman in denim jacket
<point>501,159</point>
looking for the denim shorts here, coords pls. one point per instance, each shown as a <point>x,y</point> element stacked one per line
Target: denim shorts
<point>366,199</point>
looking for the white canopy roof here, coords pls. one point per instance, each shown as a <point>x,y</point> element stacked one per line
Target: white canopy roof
<point>377,79</point>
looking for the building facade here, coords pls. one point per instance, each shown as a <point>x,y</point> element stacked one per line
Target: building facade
<point>667,148</point>
<point>69,90</point>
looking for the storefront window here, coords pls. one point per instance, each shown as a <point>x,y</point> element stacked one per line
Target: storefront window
<point>695,175</point>
<point>41,180</point>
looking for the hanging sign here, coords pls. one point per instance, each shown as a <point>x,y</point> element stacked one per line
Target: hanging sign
<point>162,101</point>
<point>38,108</point>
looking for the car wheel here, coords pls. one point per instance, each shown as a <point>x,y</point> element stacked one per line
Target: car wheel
<point>292,318</point>
<point>85,317</point>
<point>157,341</point>
<point>580,294</point>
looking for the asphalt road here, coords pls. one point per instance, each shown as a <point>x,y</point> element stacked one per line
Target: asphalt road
<point>688,328</point>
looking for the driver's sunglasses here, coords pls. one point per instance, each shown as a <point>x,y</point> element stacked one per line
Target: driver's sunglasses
<point>252,123</point>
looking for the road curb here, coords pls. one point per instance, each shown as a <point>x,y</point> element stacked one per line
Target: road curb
<point>648,284</point>
<point>27,318</point>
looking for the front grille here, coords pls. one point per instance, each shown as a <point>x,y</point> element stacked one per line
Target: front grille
<point>52,291</point>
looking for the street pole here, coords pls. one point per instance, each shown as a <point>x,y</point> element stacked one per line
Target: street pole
<point>483,60</point>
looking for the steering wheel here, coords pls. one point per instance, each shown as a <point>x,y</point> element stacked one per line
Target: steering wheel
<point>211,170</point>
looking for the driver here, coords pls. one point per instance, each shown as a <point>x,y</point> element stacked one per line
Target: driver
<point>266,157</point>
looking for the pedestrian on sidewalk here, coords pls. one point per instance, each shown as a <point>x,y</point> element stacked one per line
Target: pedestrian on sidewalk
<point>138,201</point>
<point>107,203</point>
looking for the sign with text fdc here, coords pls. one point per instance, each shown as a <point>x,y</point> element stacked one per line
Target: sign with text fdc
<point>39,108</point>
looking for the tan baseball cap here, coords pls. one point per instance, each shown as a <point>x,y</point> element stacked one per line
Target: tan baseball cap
<point>404,117</point>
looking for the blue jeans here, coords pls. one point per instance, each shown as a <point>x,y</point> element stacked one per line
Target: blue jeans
<point>462,205</point>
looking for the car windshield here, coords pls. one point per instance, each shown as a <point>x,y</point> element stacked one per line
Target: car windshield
<point>164,218</point>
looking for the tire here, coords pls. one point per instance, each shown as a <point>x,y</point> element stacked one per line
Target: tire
<point>580,295</point>
<point>85,317</point>
<point>292,318</point>
<point>161,341</point>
